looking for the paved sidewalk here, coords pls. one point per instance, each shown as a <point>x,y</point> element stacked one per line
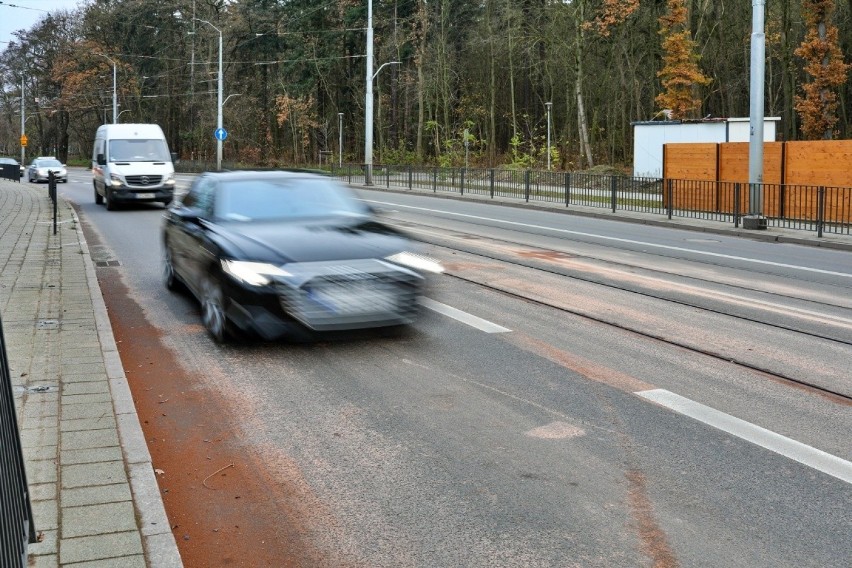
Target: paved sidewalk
<point>94,493</point>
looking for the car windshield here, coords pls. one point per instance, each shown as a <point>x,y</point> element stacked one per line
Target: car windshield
<point>49,163</point>
<point>138,150</point>
<point>8,161</point>
<point>266,199</point>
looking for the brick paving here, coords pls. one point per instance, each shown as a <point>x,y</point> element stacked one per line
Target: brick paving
<point>94,494</point>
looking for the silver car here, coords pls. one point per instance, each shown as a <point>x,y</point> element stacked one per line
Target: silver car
<point>40,168</point>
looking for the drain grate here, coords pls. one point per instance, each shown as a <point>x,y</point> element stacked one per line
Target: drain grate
<point>105,263</point>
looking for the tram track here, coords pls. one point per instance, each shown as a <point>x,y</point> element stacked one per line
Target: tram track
<point>833,394</point>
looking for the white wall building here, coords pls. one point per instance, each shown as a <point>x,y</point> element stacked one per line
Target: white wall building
<point>649,137</point>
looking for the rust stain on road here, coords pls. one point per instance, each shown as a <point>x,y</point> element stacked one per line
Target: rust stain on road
<point>654,542</point>
<point>220,515</point>
<point>579,365</point>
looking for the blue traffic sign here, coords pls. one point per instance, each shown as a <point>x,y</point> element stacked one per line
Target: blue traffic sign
<point>220,134</point>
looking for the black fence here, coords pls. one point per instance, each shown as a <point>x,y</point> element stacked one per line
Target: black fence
<point>811,208</point>
<point>10,171</point>
<point>17,528</point>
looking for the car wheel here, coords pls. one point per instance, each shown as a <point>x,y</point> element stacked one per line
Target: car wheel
<point>170,278</point>
<point>110,202</point>
<point>213,310</point>
<point>98,197</point>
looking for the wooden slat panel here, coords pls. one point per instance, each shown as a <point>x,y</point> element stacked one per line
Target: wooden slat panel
<point>690,161</point>
<point>819,162</point>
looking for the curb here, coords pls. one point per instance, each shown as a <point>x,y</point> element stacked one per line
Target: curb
<point>157,538</point>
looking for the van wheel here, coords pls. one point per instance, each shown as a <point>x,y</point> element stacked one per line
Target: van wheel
<point>98,197</point>
<point>110,203</point>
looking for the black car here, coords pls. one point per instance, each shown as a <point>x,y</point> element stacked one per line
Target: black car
<point>279,253</point>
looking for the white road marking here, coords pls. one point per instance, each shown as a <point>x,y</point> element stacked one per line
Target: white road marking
<point>628,241</point>
<point>796,451</point>
<point>464,317</point>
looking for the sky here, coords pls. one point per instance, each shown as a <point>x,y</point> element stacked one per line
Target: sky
<point>24,14</point>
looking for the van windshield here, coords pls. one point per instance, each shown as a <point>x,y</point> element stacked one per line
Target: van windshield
<point>138,150</point>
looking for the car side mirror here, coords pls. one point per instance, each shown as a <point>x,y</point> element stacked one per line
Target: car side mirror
<point>188,214</point>
<point>175,159</point>
<point>101,160</point>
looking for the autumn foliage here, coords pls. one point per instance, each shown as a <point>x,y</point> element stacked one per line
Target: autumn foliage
<point>680,74</point>
<point>824,65</point>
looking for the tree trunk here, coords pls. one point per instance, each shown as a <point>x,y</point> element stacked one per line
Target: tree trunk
<point>582,127</point>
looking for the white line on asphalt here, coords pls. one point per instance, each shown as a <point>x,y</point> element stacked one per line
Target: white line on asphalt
<point>464,317</point>
<point>628,241</point>
<point>797,451</point>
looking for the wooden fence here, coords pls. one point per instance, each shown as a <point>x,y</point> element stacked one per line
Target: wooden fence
<point>791,171</point>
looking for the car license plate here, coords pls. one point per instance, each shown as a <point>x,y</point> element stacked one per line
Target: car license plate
<point>144,196</point>
<point>354,299</point>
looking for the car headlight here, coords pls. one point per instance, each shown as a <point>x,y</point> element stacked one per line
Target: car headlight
<point>252,273</point>
<point>170,179</point>
<point>416,261</point>
<point>116,180</point>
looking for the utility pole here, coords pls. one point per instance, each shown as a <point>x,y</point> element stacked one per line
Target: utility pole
<point>23,123</point>
<point>755,218</point>
<point>368,102</point>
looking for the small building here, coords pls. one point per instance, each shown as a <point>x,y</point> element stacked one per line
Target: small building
<point>649,137</point>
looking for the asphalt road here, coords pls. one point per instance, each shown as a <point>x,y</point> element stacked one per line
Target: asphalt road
<point>578,392</point>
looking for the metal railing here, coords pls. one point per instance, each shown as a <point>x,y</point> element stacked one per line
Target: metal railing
<point>17,528</point>
<point>10,171</point>
<point>51,191</point>
<point>805,207</point>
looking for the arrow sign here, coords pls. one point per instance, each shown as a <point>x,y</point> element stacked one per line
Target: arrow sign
<point>220,134</point>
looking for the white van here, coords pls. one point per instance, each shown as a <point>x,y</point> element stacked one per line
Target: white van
<point>131,163</point>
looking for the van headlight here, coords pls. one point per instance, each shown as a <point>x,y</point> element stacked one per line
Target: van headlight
<point>116,180</point>
<point>170,179</point>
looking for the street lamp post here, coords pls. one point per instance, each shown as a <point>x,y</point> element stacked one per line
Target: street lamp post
<point>340,139</point>
<point>368,121</point>
<point>114,91</point>
<point>219,99</point>
<point>23,125</point>
<point>548,105</point>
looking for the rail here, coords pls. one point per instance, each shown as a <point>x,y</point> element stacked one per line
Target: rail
<point>17,528</point>
<point>805,207</point>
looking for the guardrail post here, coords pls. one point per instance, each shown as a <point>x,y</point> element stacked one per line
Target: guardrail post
<point>491,181</point>
<point>669,197</point>
<point>614,197</point>
<point>737,205</point>
<point>461,180</point>
<point>820,210</point>
<point>567,189</point>
<point>527,185</point>
<point>51,189</point>
<point>409,178</point>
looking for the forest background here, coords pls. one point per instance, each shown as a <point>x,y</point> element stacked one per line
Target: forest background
<point>473,78</point>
